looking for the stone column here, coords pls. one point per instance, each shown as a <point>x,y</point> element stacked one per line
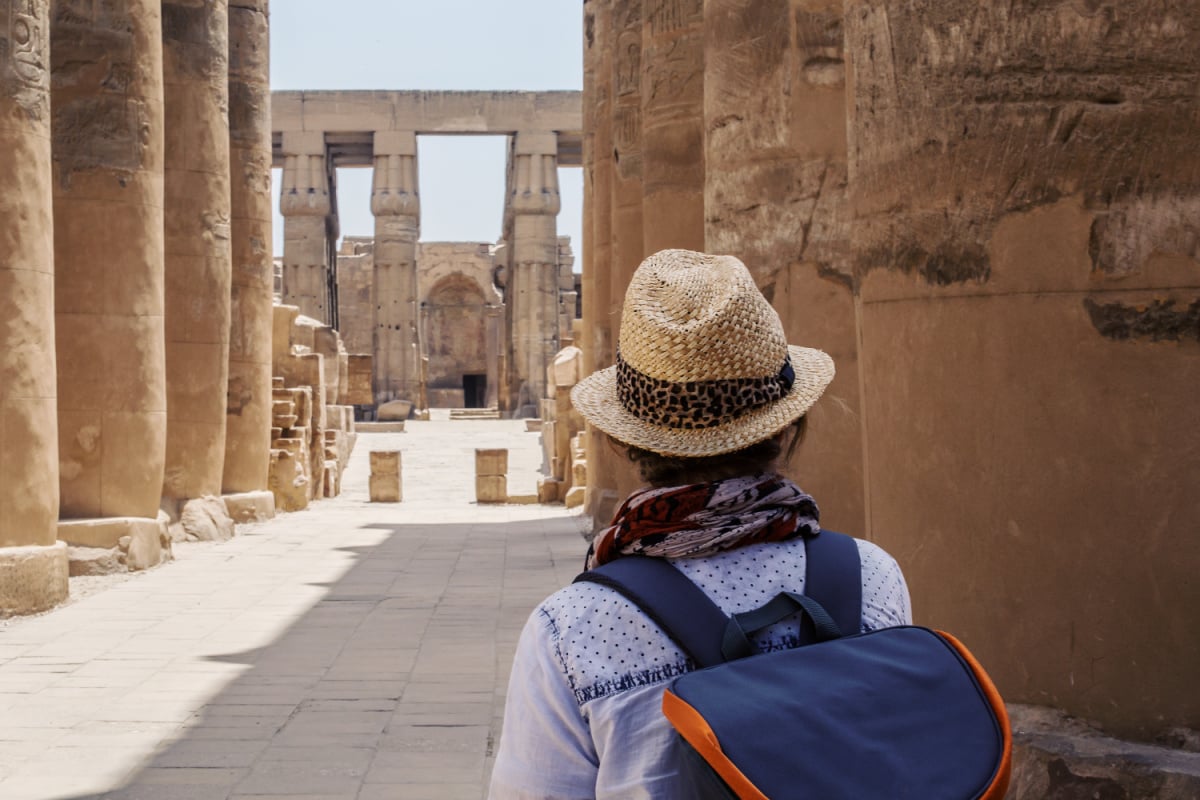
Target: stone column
<point>532,298</point>
<point>396,204</point>
<point>197,265</point>
<point>1026,190</point>
<point>248,411</point>
<point>305,202</point>
<point>775,195</point>
<point>493,333</point>
<point>603,466</point>
<point>33,566</point>
<point>627,189</point>
<point>107,122</point>
<point>673,124</point>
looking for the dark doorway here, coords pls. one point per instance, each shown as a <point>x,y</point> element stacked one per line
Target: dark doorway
<point>474,390</point>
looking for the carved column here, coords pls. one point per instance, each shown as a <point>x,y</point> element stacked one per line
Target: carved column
<point>532,296</point>
<point>306,204</point>
<point>197,266</point>
<point>493,316</point>
<point>33,567</point>
<point>1026,190</point>
<point>601,499</point>
<point>673,124</point>
<point>627,190</point>
<point>396,204</point>
<point>107,105</point>
<point>775,195</point>
<point>248,410</point>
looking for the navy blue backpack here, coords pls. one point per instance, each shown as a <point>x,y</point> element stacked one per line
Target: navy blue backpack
<point>903,712</point>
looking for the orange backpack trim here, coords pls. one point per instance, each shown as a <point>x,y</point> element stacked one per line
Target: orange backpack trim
<point>700,736</point>
<point>999,785</point>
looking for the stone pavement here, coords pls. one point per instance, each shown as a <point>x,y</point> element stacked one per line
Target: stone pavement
<point>353,651</point>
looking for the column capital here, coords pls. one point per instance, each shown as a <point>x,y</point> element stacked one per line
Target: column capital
<point>305,186</point>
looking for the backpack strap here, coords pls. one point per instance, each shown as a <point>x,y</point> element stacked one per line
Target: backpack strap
<point>667,596</point>
<point>698,626</point>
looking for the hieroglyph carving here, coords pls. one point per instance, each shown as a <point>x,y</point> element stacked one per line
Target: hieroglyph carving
<point>665,16</point>
<point>24,51</point>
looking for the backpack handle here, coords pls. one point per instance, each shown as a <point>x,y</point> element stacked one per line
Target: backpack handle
<point>736,641</point>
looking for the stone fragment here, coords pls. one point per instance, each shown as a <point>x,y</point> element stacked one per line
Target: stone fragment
<point>548,490</point>
<point>205,519</point>
<point>95,561</point>
<point>385,462</point>
<point>385,489</point>
<point>575,496</point>
<point>288,481</point>
<point>394,410</point>
<point>32,578</point>
<point>250,506</point>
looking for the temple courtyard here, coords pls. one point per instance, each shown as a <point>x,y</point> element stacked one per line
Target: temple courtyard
<point>351,651</point>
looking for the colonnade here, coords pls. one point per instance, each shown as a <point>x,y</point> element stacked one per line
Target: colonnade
<point>135,242</point>
<point>382,131</point>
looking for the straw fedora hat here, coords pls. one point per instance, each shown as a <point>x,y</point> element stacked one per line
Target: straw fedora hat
<point>703,367</point>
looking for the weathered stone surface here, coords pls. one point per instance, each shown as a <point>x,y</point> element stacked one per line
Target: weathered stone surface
<point>107,124</point>
<point>205,519</point>
<point>197,266</point>
<point>394,410</point>
<point>1056,756</point>
<point>385,462</point>
<point>306,206</point>
<point>95,561</point>
<point>575,496</point>
<point>359,369</point>
<point>250,506</point>
<point>288,481</point>
<point>29,480</point>
<point>247,443</point>
<point>1012,171</point>
<point>33,578</point>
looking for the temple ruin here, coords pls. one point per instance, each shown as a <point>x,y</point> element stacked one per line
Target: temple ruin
<point>987,213</point>
<point>317,132</point>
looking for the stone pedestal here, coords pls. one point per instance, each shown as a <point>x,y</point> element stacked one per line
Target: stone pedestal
<point>107,122</point>
<point>31,575</point>
<point>491,481</point>
<point>197,265</point>
<point>385,481</point>
<point>135,543</point>
<point>307,209</point>
<point>248,411</point>
<point>396,204</point>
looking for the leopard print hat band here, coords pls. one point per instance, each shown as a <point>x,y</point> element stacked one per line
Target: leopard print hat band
<point>697,404</point>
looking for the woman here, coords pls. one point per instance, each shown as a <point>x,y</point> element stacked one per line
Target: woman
<point>705,396</point>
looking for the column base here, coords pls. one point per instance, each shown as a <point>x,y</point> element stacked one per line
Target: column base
<point>32,578</point>
<point>142,542</point>
<point>250,506</point>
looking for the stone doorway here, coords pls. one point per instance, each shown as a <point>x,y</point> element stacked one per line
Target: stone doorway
<point>475,391</point>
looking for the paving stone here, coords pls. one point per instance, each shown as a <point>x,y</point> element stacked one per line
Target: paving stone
<point>351,650</point>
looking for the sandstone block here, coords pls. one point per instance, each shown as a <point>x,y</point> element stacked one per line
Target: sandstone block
<point>250,506</point>
<point>146,546</point>
<point>205,519</point>
<point>379,427</point>
<point>276,382</point>
<point>358,376</point>
<point>385,462</point>
<point>491,489</point>
<point>386,488</point>
<point>491,462</point>
<point>32,578</point>
<point>393,411</point>
<point>575,497</point>
<point>288,481</point>
<point>533,425</point>
<point>522,499</point>
<point>548,490</point>
<point>332,479</point>
<point>94,561</point>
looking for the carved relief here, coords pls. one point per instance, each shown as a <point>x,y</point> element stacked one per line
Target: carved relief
<point>668,16</point>
<point>27,41</point>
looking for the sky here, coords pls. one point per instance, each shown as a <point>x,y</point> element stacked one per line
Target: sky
<point>434,44</point>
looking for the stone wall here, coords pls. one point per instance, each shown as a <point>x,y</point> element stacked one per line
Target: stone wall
<point>987,215</point>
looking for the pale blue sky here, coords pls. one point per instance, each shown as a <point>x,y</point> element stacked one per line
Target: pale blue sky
<point>434,44</point>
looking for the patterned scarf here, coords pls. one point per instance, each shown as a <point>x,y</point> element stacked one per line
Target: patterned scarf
<point>705,518</point>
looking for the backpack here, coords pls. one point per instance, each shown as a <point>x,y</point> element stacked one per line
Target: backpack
<point>904,712</point>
